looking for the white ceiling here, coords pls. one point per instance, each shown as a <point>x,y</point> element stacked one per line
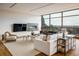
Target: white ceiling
<point>37,8</point>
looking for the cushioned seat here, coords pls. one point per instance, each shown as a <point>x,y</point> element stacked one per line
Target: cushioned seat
<point>9,37</point>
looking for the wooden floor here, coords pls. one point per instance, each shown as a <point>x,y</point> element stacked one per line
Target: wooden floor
<point>3,50</point>
<point>74,52</point>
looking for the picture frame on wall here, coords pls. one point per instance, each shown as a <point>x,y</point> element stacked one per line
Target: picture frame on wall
<point>32,26</point>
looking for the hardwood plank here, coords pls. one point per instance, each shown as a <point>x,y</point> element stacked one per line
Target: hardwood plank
<point>3,50</point>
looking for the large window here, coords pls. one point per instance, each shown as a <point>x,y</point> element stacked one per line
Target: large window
<point>56,22</point>
<point>56,15</point>
<point>71,18</point>
<point>67,19</point>
<point>56,19</point>
<point>71,21</point>
<point>46,19</point>
<point>69,13</point>
<point>46,22</point>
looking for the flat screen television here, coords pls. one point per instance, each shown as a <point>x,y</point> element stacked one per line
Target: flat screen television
<point>19,27</point>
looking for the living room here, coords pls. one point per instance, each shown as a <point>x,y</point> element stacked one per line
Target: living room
<point>25,21</point>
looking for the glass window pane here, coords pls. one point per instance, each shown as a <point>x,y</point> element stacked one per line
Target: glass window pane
<point>56,15</point>
<point>74,12</point>
<point>71,21</point>
<point>46,22</point>
<point>46,16</point>
<point>56,21</point>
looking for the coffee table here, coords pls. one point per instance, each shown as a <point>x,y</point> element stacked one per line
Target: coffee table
<point>22,37</point>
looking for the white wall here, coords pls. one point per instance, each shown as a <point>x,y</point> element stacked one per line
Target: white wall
<point>9,18</point>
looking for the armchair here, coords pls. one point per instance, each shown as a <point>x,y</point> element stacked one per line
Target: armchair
<point>9,37</point>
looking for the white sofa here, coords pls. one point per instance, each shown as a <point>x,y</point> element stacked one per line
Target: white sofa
<point>48,47</point>
<point>9,37</point>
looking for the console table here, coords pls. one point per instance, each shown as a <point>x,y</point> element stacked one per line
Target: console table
<point>65,44</point>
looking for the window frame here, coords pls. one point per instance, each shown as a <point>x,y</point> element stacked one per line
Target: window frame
<point>62,16</point>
